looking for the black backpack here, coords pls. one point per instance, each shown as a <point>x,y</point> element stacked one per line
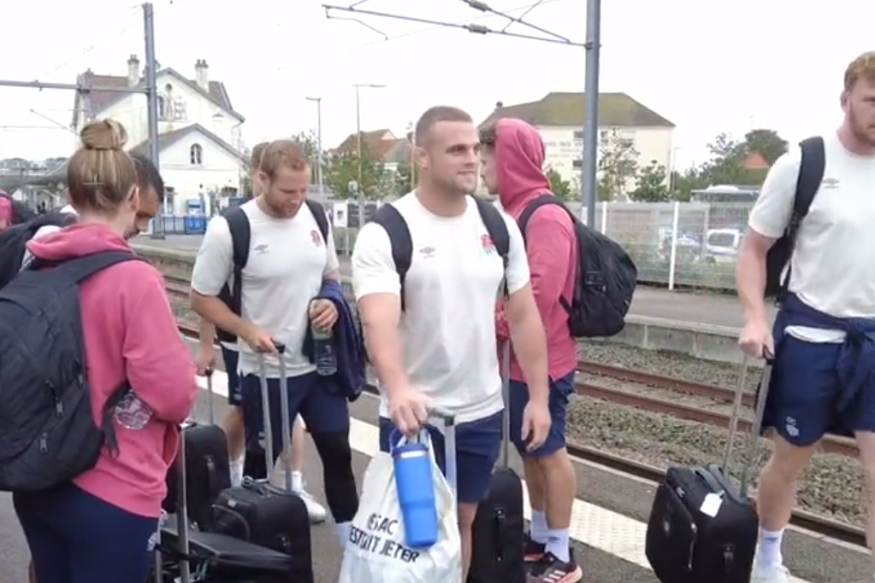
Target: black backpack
<point>241,235</point>
<point>47,430</point>
<point>606,278</point>
<point>391,220</point>
<point>14,239</point>
<point>811,171</point>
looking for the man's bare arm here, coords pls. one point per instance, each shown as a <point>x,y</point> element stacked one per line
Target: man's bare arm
<point>380,315</point>
<point>751,274</point>
<point>215,311</point>
<point>529,341</point>
<point>206,332</point>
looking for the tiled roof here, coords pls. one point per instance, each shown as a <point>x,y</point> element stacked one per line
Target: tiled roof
<point>569,109</point>
<point>100,100</point>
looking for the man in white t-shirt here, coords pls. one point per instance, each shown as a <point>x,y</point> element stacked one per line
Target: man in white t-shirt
<point>233,422</point>
<point>822,340</point>
<point>441,348</point>
<point>288,261</point>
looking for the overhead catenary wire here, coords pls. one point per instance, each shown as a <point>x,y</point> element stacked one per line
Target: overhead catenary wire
<point>590,145</point>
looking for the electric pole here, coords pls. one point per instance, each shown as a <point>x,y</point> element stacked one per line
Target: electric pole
<point>359,152</point>
<point>592,46</point>
<point>320,181</point>
<point>149,88</point>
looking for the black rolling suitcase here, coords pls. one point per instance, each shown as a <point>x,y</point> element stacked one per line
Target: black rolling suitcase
<point>702,529</point>
<point>498,534</point>
<point>181,550</point>
<point>271,517</point>
<point>208,470</point>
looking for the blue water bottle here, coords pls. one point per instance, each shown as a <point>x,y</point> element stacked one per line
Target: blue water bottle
<point>413,479</point>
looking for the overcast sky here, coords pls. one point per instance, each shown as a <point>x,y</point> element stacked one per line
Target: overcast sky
<point>707,66</point>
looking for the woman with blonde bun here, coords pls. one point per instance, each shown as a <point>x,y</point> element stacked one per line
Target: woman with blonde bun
<point>96,528</point>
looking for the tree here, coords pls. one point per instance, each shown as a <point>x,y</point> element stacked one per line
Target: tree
<point>343,168</point>
<point>618,164</point>
<point>766,143</point>
<point>560,187</point>
<point>651,184</point>
<point>402,179</point>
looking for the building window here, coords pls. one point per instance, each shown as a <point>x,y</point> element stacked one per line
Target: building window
<point>577,163</point>
<point>578,134</point>
<point>196,155</point>
<point>179,109</point>
<point>163,108</point>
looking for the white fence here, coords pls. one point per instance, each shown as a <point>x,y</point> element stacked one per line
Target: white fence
<point>677,244</point>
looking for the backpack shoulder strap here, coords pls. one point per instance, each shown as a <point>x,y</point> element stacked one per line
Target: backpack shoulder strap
<point>238,225</point>
<point>811,171</point>
<point>495,226</point>
<point>81,268</point>
<point>388,217</point>
<point>527,213</point>
<point>319,214</point>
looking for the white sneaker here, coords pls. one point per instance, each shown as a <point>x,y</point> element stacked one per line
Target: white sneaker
<point>316,511</point>
<point>769,574</point>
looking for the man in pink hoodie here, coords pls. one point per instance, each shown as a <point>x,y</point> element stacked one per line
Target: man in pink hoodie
<point>512,157</point>
<point>96,528</point>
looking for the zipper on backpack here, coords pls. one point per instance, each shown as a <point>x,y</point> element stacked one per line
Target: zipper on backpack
<point>44,443</point>
<point>59,407</point>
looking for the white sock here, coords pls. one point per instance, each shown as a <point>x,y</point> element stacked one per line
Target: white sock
<point>297,482</point>
<point>342,533</point>
<point>539,526</point>
<point>770,548</point>
<point>557,544</point>
<point>236,467</point>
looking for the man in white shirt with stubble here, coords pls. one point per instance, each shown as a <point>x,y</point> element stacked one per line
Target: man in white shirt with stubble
<point>823,340</point>
<point>441,350</point>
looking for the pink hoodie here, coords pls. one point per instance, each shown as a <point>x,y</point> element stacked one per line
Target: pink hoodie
<point>130,333</point>
<point>551,244</point>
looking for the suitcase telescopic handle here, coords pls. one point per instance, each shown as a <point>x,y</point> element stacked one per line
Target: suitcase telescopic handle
<point>445,415</point>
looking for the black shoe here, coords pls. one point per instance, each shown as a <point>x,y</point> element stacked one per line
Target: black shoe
<point>551,570</point>
<point>533,551</point>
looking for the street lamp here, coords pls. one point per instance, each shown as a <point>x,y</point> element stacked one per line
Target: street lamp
<point>319,162</point>
<point>358,131</point>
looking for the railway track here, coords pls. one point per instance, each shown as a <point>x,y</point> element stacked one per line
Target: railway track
<point>815,523</point>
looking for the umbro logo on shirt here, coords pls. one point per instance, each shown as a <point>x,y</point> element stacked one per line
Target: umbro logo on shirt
<point>261,248</point>
<point>427,251</point>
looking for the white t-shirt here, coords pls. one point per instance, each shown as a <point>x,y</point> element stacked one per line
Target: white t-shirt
<point>42,232</point>
<point>833,264</point>
<point>448,326</point>
<point>287,261</point>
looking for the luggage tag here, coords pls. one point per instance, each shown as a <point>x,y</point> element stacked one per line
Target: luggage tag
<point>711,504</point>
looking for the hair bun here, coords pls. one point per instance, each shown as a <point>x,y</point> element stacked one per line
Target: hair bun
<point>106,134</point>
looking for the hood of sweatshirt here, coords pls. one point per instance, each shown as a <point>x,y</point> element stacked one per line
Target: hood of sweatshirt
<point>519,154</point>
<point>76,241</point>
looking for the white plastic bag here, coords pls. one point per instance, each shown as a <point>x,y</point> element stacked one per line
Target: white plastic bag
<point>375,551</point>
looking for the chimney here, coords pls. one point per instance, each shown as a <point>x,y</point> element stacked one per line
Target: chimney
<point>201,74</point>
<point>133,70</point>
<point>499,104</point>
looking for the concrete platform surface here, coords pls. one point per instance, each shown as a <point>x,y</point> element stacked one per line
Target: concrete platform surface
<point>608,523</point>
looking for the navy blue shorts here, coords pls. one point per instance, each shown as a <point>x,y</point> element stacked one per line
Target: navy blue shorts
<point>309,396</point>
<point>75,536</point>
<point>231,358</point>
<point>477,448</point>
<point>801,404</point>
<point>560,391</point>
